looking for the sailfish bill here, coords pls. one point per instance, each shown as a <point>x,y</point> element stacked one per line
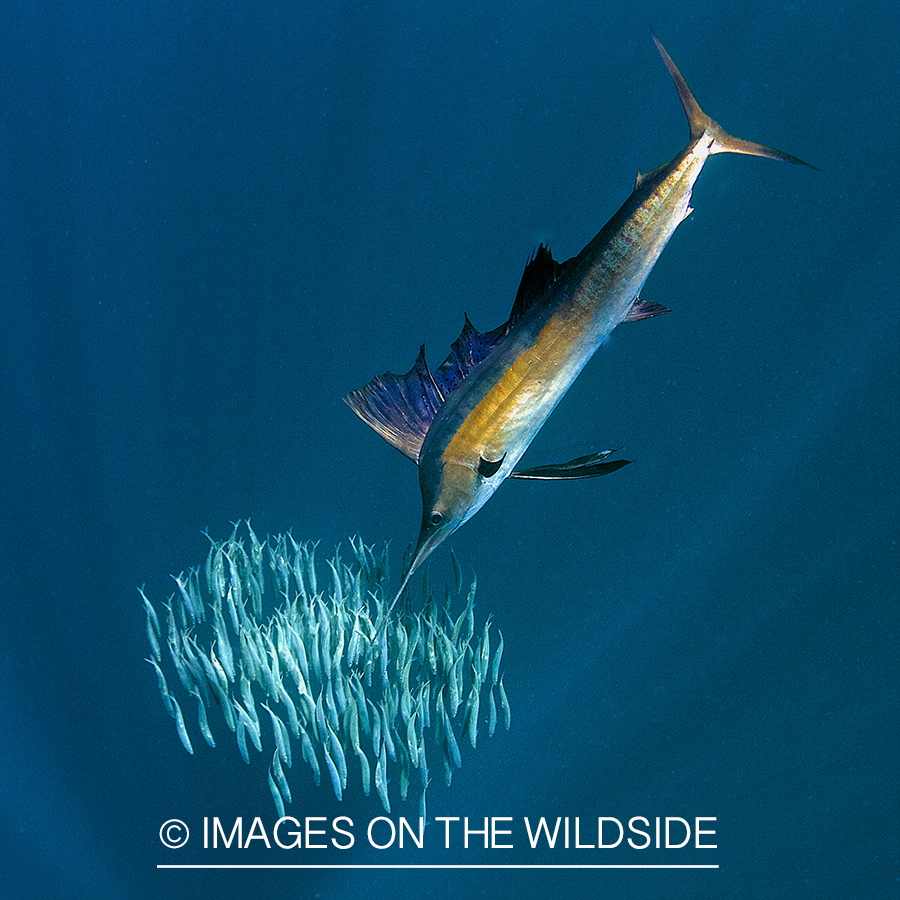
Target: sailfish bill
<point>468,422</point>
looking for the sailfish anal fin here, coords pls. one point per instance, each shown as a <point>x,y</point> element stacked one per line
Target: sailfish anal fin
<point>645,309</point>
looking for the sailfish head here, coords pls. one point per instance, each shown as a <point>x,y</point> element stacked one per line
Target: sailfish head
<point>452,492</point>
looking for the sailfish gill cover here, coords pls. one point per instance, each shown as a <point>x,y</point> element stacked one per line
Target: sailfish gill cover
<point>281,652</point>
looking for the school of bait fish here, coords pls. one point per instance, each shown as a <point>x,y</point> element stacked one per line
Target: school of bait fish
<point>259,636</point>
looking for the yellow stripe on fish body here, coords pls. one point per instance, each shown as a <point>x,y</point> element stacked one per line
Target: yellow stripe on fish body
<point>517,400</point>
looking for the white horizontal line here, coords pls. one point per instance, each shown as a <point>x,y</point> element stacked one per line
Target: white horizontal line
<point>435,866</point>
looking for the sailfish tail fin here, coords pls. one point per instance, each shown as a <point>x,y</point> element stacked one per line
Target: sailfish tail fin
<point>701,123</point>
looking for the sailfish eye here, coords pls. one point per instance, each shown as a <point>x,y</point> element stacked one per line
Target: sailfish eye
<point>436,518</point>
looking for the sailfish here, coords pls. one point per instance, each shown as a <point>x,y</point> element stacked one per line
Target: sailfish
<point>468,422</point>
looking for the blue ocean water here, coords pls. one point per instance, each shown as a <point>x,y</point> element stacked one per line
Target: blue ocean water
<point>221,217</point>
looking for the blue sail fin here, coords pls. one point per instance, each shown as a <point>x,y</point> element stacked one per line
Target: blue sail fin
<point>401,408</point>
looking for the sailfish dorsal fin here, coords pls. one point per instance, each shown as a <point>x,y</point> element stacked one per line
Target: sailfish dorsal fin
<point>401,408</point>
<point>541,273</point>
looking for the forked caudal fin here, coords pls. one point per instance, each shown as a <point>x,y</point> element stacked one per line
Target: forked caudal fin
<point>701,123</point>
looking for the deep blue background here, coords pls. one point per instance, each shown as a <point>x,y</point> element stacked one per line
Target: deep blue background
<point>220,217</point>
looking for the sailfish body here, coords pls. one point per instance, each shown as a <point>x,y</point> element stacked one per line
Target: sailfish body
<point>468,422</point>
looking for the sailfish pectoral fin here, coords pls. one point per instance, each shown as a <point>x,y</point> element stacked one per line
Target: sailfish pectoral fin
<point>489,467</point>
<point>589,466</point>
